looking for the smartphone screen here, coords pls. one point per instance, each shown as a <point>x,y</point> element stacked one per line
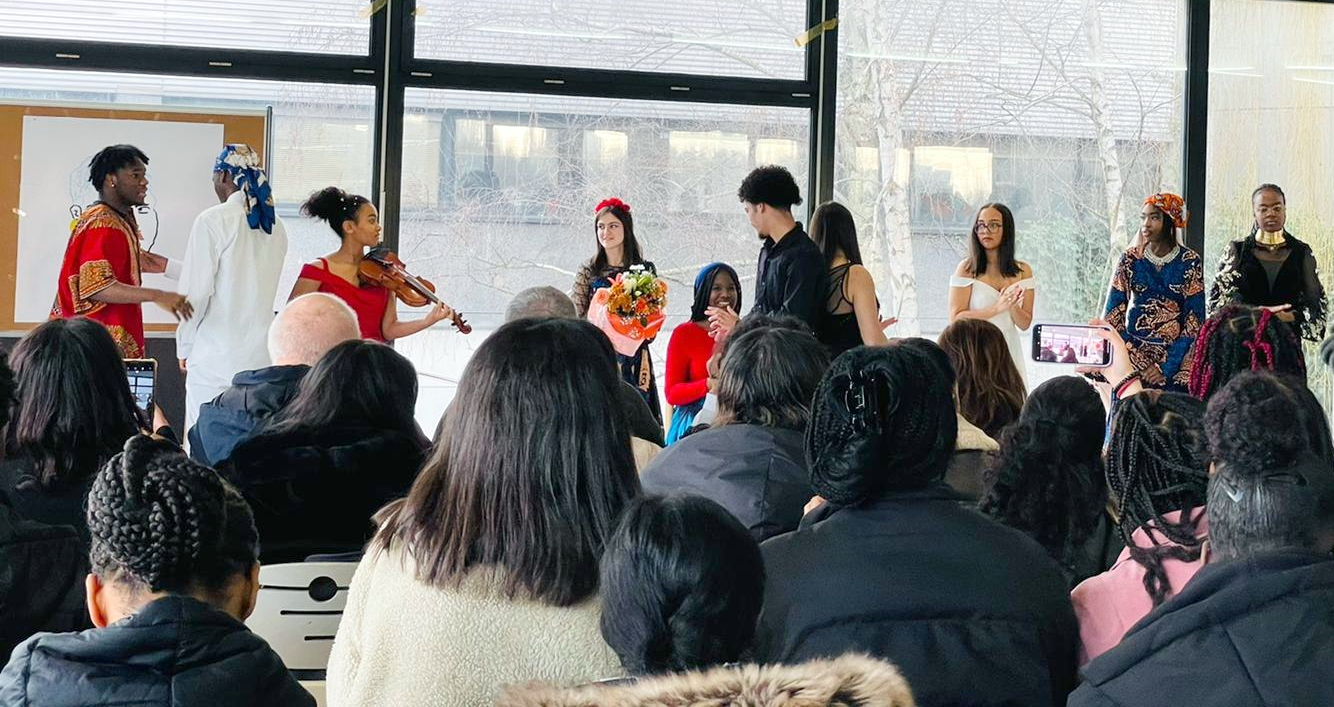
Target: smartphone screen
<point>1075,344</point>
<point>142,374</point>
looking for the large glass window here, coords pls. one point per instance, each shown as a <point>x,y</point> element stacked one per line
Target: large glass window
<point>1064,111</point>
<point>752,38</point>
<point>505,201</point>
<point>1271,105</point>
<point>321,134</point>
<point>316,26</point>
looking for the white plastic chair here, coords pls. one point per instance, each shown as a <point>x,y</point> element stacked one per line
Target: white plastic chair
<point>298,610</point>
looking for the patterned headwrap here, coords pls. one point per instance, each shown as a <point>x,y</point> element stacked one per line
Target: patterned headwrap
<point>1172,205</point>
<point>243,164</point>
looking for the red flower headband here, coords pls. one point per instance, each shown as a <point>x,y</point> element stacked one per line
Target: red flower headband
<point>612,203</point>
<point>1172,205</point>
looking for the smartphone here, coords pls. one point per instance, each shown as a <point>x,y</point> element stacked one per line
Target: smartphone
<point>1077,344</point>
<point>142,374</point>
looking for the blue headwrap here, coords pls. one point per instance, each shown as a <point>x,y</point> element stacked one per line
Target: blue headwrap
<point>243,164</point>
<point>702,298</point>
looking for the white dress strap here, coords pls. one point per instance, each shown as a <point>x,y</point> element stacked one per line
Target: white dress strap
<point>957,281</point>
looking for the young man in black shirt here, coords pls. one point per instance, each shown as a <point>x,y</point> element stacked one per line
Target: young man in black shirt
<point>792,273</point>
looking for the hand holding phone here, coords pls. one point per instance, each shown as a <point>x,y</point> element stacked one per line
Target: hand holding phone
<point>1071,344</point>
<point>142,376</point>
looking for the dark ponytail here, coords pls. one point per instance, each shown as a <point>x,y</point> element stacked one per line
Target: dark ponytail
<point>334,206</point>
<point>1157,464</point>
<point>160,521</point>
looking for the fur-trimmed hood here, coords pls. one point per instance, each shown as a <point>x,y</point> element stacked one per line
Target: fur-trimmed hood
<point>851,681</point>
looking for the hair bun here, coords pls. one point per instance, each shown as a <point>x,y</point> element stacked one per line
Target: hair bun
<point>152,510</point>
<point>1254,424</point>
<point>327,203</point>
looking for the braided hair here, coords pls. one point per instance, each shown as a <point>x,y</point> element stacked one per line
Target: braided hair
<point>1241,338</point>
<point>882,419</point>
<point>162,522</point>
<point>1157,464</point>
<point>1048,479</point>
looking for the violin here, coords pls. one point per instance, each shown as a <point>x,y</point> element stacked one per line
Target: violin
<point>381,266</point>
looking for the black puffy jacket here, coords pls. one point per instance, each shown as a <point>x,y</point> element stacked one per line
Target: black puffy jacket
<point>1251,632</point>
<point>175,651</point>
<point>315,492</point>
<point>972,613</point>
<point>41,579</point>
<point>757,473</point>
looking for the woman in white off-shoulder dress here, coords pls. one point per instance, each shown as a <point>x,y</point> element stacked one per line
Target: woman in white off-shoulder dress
<point>990,284</point>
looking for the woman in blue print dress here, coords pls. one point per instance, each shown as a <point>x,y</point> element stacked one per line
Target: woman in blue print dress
<point>1156,299</point>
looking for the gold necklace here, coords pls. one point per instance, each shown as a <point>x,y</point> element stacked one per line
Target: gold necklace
<point>1270,241</point>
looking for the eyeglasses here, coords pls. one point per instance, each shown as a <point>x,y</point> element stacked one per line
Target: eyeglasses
<point>992,227</point>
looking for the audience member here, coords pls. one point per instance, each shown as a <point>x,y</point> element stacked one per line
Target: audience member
<point>347,444</point>
<point>1255,625</point>
<point>990,390</point>
<point>692,344</point>
<point>974,451</point>
<point>1240,338</point>
<point>1049,480</point>
<point>682,582</point>
<point>895,566</point>
<point>547,301</point>
<point>174,574</point>
<point>1157,468</point>
<point>752,460</point>
<point>487,574</point>
<point>41,583</point>
<point>840,682</point>
<point>74,411</point>
<point>299,336</point>
<point>751,321</point>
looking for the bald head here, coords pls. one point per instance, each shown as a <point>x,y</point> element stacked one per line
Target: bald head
<point>545,301</point>
<point>308,327</point>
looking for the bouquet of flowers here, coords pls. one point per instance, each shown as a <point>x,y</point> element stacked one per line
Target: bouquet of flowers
<point>631,310</point>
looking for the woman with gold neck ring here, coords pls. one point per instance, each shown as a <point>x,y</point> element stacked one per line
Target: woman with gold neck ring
<point>1272,270</point>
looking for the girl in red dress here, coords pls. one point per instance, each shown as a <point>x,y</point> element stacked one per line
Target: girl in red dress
<point>691,345</point>
<point>357,223</point>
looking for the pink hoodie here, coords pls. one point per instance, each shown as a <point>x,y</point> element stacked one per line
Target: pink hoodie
<point>1109,604</point>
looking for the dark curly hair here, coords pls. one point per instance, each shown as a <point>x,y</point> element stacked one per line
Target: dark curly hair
<point>883,419</point>
<point>990,390</point>
<point>1048,479</point>
<point>1156,465</point>
<point>682,583</point>
<point>111,159</point>
<point>1273,484</point>
<point>1240,338</point>
<point>771,185</point>
<point>162,522</point>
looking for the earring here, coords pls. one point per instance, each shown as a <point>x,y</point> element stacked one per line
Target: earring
<point>113,184</point>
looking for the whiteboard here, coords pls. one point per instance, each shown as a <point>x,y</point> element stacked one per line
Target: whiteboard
<point>53,185</point>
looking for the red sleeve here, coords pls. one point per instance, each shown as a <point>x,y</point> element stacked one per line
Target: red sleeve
<point>681,350</point>
<point>101,258</point>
